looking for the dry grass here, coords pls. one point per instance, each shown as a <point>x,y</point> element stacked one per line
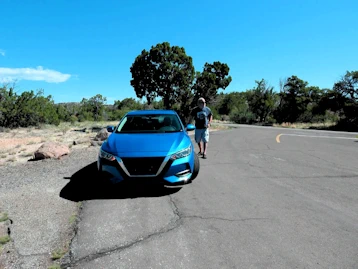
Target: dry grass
<point>12,160</point>
<point>215,127</point>
<point>26,154</point>
<point>305,125</point>
<point>64,129</point>
<point>222,121</point>
<point>18,145</point>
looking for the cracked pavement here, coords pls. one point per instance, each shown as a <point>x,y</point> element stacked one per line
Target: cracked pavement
<point>255,204</point>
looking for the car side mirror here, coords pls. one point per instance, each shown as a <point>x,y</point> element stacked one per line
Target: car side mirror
<point>110,129</point>
<point>190,127</point>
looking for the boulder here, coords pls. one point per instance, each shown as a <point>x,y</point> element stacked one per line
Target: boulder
<point>51,150</point>
<point>81,141</point>
<point>102,135</point>
<point>96,129</point>
<point>96,143</point>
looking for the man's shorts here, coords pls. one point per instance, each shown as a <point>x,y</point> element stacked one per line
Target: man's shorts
<point>202,135</point>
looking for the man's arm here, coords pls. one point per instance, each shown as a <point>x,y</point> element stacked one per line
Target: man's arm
<point>210,119</point>
<point>210,116</point>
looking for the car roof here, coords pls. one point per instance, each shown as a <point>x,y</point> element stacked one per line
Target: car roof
<point>151,112</point>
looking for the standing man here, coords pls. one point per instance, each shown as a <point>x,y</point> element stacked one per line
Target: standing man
<point>203,118</point>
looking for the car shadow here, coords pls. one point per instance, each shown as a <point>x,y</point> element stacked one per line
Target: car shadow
<point>89,184</point>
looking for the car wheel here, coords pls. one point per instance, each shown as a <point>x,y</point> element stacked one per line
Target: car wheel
<point>196,167</point>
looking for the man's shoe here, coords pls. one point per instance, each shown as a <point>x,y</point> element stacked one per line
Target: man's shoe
<point>204,156</point>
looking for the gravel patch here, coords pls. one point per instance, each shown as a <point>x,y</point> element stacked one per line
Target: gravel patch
<point>40,221</point>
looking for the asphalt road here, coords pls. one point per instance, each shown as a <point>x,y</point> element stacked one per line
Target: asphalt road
<point>260,201</point>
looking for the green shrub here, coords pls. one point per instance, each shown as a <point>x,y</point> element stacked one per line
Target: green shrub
<point>246,117</point>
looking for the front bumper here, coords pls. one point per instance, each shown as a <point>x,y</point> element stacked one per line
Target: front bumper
<point>171,173</point>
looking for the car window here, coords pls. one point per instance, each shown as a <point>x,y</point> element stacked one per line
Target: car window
<point>149,124</point>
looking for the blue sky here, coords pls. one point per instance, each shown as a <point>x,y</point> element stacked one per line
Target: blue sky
<point>75,49</point>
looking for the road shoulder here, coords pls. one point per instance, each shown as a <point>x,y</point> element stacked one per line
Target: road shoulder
<point>40,223</point>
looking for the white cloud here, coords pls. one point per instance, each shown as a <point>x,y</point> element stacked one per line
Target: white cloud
<point>2,52</point>
<point>37,74</point>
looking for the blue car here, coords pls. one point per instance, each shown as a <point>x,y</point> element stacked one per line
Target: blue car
<point>150,146</point>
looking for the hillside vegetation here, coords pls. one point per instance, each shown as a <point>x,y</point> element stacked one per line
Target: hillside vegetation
<point>164,78</point>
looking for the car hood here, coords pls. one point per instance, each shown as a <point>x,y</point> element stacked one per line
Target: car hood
<point>146,142</point>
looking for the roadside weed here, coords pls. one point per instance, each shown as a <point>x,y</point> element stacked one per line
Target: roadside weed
<point>73,218</point>
<point>54,266</point>
<point>58,254</point>
<point>4,239</point>
<point>4,217</point>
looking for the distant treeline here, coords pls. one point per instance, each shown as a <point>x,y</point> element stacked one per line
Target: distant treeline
<point>295,102</point>
<point>166,73</point>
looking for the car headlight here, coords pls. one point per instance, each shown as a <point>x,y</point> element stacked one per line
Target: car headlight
<point>106,155</point>
<point>181,154</point>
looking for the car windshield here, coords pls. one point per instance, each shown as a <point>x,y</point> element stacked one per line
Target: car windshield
<point>155,123</point>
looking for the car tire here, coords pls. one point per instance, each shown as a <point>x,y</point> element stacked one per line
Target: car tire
<point>196,167</point>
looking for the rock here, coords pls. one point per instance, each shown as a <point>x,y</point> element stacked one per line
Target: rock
<point>102,135</point>
<point>51,150</point>
<point>96,143</point>
<point>81,141</point>
<point>96,129</point>
<point>99,143</point>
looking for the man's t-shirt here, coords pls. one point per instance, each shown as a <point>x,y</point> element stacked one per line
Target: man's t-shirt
<point>201,117</point>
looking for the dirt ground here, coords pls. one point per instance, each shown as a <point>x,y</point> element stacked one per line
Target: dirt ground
<point>19,145</point>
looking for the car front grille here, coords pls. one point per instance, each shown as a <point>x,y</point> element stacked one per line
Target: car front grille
<point>143,166</point>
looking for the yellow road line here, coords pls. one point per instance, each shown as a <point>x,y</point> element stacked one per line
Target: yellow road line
<point>278,138</point>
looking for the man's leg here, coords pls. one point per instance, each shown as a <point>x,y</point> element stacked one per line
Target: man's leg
<point>205,141</point>
<point>198,135</point>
